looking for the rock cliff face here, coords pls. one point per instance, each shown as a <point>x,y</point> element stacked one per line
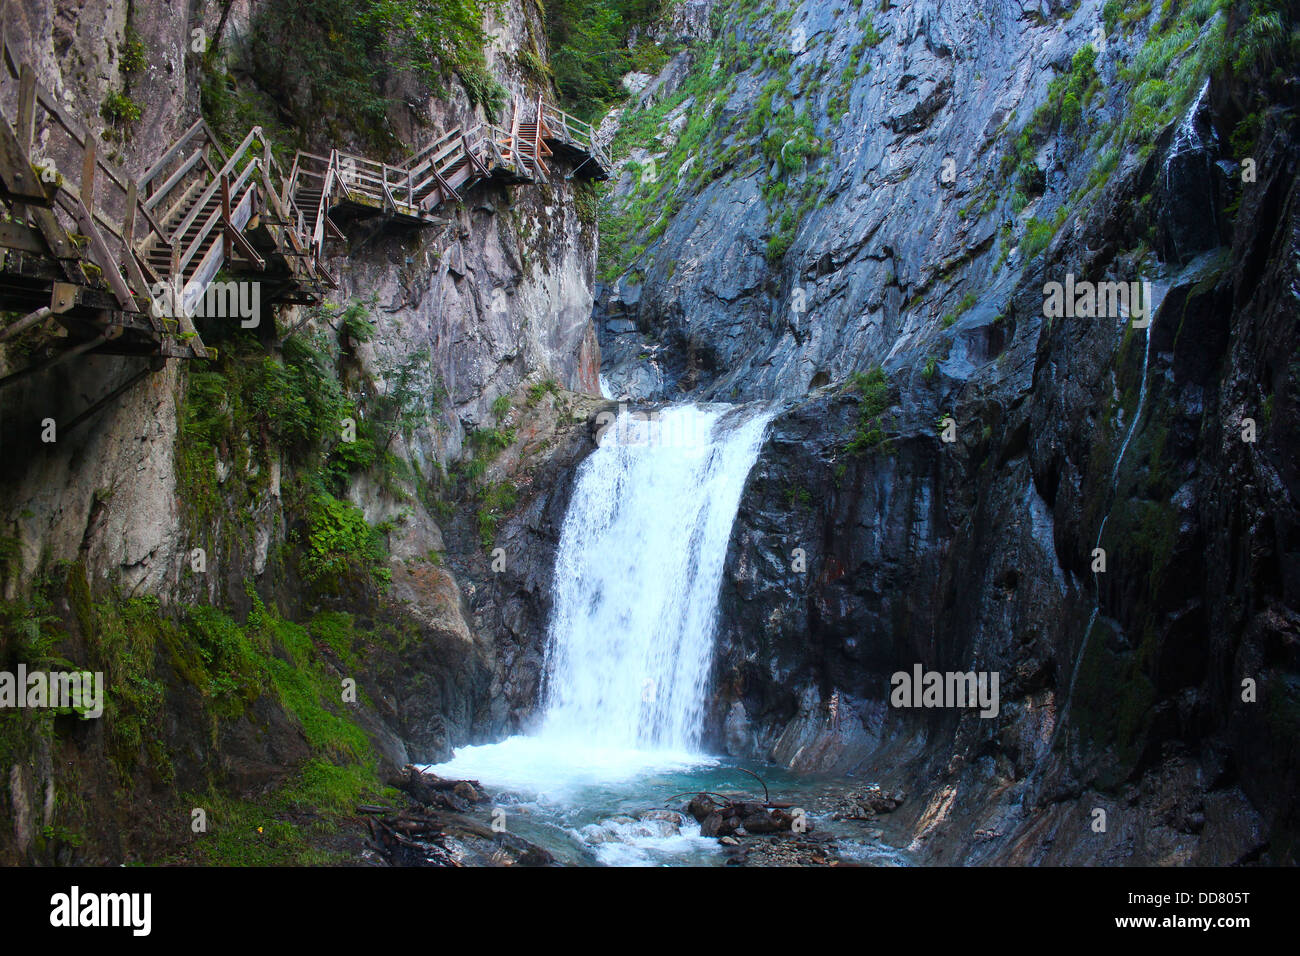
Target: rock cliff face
<point>489,309</point>
<point>927,228</point>
<point>853,210</point>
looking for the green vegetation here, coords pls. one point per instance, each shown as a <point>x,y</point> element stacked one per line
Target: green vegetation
<point>118,108</point>
<point>873,401</point>
<point>341,547</point>
<point>322,66</point>
<point>779,137</point>
<point>1062,111</point>
<point>132,52</point>
<point>1039,233</point>
<point>356,321</point>
<point>1185,43</point>
<point>495,500</point>
<point>965,305</point>
<point>148,653</point>
<point>797,496</point>
<point>539,390</point>
<point>252,412</point>
<point>590,50</point>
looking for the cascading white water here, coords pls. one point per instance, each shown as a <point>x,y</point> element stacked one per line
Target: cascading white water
<point>636,585</point>
<point>637,576</point>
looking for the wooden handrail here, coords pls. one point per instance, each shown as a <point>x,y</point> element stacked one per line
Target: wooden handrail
<point>171,154</point>
<point>211,191</point>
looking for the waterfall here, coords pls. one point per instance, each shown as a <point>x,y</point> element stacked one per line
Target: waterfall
<point>637,576</point>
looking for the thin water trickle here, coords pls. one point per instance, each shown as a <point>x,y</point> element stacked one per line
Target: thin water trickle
<point>1112,487</point>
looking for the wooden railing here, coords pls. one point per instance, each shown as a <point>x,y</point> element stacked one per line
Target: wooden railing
<point>100,201</point>
<point>570,129</point>
<point>116,239</point>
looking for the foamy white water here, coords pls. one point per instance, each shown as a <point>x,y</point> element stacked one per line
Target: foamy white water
<point>636,585</point>
<point>637,576</point>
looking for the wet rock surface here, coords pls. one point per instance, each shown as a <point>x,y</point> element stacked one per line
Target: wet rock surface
<point>863,547</point>
<point>868,803</point>
<point>436,832</point>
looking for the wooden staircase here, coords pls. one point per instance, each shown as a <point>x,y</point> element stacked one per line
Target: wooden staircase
<point>346,186</point>
<point>124,264</point>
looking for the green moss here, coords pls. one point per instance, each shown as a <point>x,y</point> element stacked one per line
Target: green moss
<point>119,108</point>
<point>873,401</point>
<point>338,631</point>
<point>1112,704</point>
<point>495,500</point>
<point>220,660</point>
<point>283,828</point>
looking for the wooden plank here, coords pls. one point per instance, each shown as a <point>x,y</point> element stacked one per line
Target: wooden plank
<point>226,241</point>
<point>234,237</point>
<point>20,181</point>
<point>216,143</point>
<point>172,180</point>
<point>104,259</point>
<point>133,270</point>
<point>88,174</point>
<point>211,191</point>
<point>79,134</point>
<point>469,151</point>
<point>26,322</point>
<point>200,238</point>
<point>61,357</point>
<point>26,125</point>
<point>20,237</point>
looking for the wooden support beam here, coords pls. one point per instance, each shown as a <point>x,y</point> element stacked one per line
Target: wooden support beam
<point>26,322</point>
<point>104,259</point>
<point>483,171</point>
<point>23,238</point>
<point>20,181</point>
<point>110,397</point>
<point>88,174</point>
<point>110,333</point>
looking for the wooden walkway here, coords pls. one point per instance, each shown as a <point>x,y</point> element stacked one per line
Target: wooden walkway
<point>122,263</point>
<point>345,186</point>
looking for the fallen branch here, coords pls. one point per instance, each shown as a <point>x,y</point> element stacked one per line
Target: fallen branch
<point>692,793</point>
<point>766,797</point>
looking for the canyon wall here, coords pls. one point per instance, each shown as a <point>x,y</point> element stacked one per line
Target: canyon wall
<point>481,323</point>
<point>948,455</point>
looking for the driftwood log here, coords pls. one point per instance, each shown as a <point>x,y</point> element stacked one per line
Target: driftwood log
<point>431,790</point>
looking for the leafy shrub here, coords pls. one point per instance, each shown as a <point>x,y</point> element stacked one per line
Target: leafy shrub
<point>873,401</point>
<point>342,551</point>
